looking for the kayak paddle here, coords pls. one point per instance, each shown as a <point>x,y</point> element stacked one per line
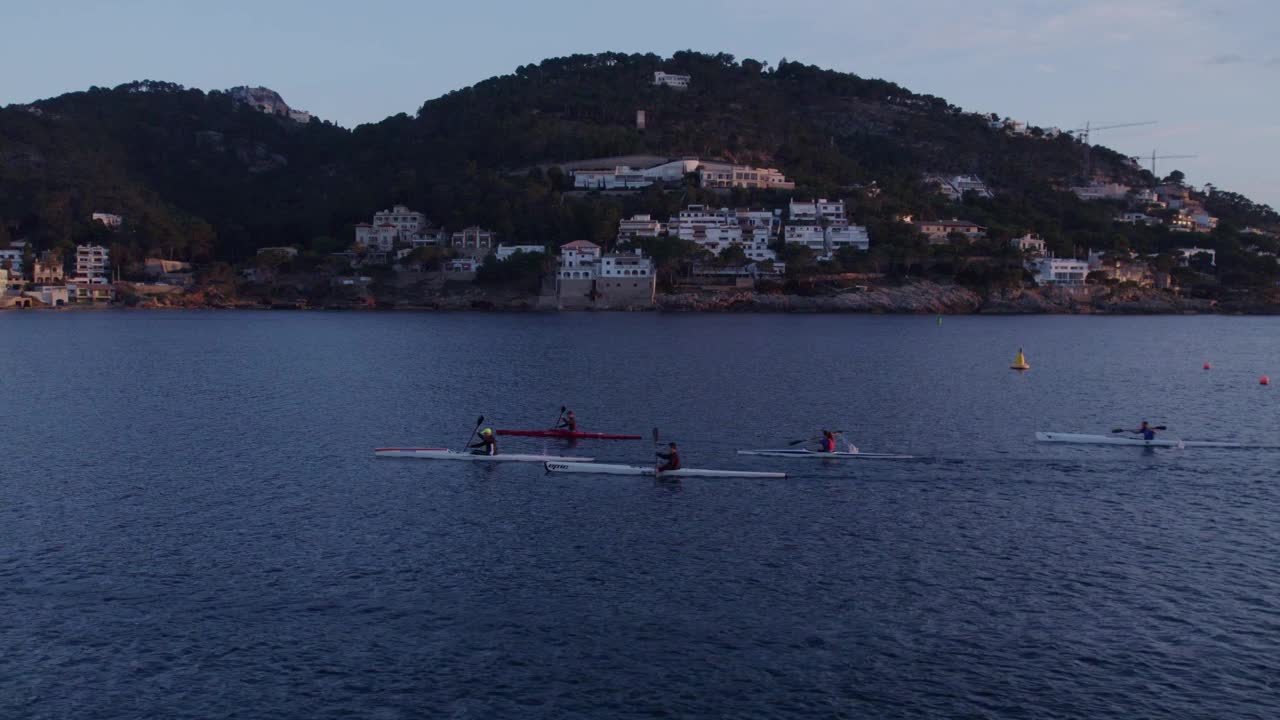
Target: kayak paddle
<point>819,437</point>
<point>1153,427</point>
<point>559,417</point>
<point>656,464</point>
<point>479,422</point>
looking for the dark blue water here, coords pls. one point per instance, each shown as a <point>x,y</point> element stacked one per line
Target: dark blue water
<point>192,524</point>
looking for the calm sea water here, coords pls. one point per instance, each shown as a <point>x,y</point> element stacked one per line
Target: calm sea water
<point>193,525</point>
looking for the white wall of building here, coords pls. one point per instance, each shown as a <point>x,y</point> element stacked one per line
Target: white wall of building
<point>1064,272</point>
<point>93,263</point>
<point>1029,243</point>
<point>671,80</point>
<point>14,256</point>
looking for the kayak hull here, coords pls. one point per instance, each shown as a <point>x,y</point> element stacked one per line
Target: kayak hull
<point>443,454</point>
<point>1083,439</point>
<point>815,455</point>
<point>568,435</point>
<point>642,470</point>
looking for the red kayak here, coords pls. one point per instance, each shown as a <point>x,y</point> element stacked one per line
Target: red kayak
<point>568,435</point>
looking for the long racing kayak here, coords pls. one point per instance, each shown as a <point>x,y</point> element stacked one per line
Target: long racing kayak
<point>604,469</point>
<point>1082,439</point>
<point>568,434</point>
<point>814,454</point>
<point>443,454</point>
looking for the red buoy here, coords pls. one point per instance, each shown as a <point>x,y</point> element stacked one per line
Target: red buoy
<point>1264,380</point>
<point>1207,366</point>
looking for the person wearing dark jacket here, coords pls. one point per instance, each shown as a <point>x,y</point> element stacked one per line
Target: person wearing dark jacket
<point>488,444</point>
<point>672,457</point>
<point>1147,432</point>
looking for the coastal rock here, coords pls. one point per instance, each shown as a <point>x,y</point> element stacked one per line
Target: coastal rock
<point>911,298</point>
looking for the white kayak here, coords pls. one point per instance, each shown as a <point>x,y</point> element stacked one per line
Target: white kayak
<point>816,455</point>
<point>444,454</point>
<point>604,469</point>
<point>1081,439</point>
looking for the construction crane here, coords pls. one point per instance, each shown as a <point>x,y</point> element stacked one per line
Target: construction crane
<point>1082,134</point>
<point>1155,157</point>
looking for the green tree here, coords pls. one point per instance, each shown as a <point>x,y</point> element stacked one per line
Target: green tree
<point>733,256</point>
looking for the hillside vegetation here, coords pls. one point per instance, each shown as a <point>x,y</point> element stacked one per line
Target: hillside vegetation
<point>201,177</point>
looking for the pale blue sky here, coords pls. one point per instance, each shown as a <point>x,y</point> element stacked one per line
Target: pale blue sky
<point>1207,71</point>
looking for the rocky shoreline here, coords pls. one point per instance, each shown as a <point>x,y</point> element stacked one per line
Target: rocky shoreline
<point>911,298</point>
<point>931,298</point>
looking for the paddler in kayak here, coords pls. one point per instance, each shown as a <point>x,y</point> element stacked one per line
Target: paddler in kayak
<point>488,444</point>
<point>1146,431</point>
<point>828,442</point>
<point>672,457</point>
<point>569,423</point>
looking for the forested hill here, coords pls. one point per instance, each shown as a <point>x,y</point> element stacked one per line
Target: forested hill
<point>200,176</point>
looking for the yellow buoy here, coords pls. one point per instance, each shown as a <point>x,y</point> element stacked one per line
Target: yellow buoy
<point>1020,362</point>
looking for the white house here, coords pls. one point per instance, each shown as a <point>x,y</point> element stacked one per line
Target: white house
<point>821,226</point>
<point>93,264</point>
<point>109,219</point>
<point>711,174</point>
<point>954,187</point>
<point>1030,244</point>
<point>1101,191</point>
<point>1203,221</point>
<point>399,224</point>
<point>810,212</point>
<point>826,241</point>
<point>620,177</point>
<point>1133,218</point>
<point>377,237</point>
<point>473,241</point>
<point>1065,272</point>
<point>408,222</point>
<point>680,82</point>
<point>578,258</point>
<point>582,260</point>
<point>91,292</point>
<point>1182,222</point>
<point>715,230</point>
<point>619,266</point>
<point>728,175</point>
<point>1145,196</point>
<point>625,177</point>
<point>586,278</point>
<point>12,256</point>
<point>506,251</point>
<point>638,226</point>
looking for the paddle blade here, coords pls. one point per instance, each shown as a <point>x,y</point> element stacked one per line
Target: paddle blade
<point>655,436</point>
<point>1161,427</point>
<point>1117,430</point>
<point>479,421</point>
